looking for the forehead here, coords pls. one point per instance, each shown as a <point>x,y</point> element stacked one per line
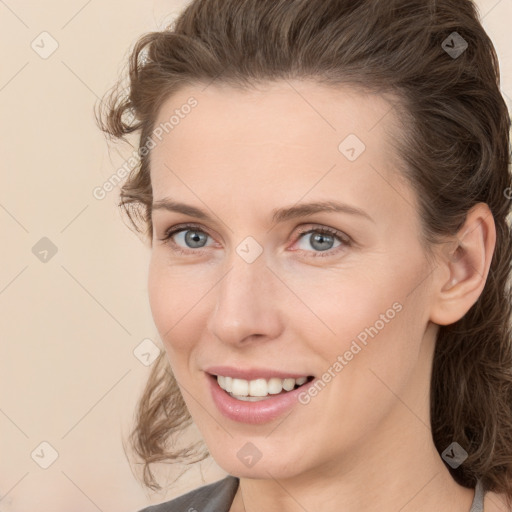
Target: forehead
<point>286,112</point>
<point>283,140</point>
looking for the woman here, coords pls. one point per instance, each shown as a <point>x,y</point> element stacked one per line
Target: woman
<point>325,187</point>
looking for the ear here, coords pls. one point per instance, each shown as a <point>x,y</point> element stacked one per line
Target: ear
<point>463,266</point>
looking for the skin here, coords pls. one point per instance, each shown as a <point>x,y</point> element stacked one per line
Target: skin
<point>364,442</point>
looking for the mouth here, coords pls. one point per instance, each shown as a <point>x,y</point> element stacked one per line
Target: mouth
<point>258,389</point>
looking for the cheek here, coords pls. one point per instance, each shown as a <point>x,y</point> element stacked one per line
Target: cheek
<point>371,319</point>
<point>375,349</point>
<point>340,306</point>
<point>160,295</point>
<point>379,330</point>
<point>167,299</point>
<point>177,296</point>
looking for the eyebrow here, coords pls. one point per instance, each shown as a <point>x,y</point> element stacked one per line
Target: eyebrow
<point>278,214</point>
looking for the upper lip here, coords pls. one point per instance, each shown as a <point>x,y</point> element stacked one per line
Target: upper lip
<point>253,373</point>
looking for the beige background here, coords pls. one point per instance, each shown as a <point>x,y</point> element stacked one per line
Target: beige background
<point>70,324</point>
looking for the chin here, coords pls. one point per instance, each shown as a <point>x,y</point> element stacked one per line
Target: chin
<point>275,466</point>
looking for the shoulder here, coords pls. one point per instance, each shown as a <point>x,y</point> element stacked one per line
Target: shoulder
<point>214,497</point>
<point>494,502</point>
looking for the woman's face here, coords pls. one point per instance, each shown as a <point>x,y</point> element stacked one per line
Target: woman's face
<point>253,294</point>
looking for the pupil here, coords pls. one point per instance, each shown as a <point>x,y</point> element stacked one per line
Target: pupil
<point>321,239</point>
<point>193,237</point>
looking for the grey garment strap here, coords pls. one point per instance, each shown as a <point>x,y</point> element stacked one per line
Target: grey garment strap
<point>478,500</point>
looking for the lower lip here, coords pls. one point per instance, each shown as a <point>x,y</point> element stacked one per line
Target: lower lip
<point>254,413</point>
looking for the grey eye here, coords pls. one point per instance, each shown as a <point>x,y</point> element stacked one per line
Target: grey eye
<point>194,239</point>
<point>319,241</point>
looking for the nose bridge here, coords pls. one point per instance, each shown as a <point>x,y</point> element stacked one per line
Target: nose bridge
<point>245,300</point>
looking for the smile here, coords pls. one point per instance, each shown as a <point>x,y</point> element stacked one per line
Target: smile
<point>274,397</point>
<point>258,389</point>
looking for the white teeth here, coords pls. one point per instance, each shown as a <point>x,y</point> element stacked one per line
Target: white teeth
<point>274,386</point>
<point>240,387</point>
<point>258,387</point>
<point>288,384</point>
<point>250,398</point>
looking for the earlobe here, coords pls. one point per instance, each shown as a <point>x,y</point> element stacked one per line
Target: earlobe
<point>463,267</point>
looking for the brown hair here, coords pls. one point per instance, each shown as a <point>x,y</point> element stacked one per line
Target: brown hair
<point>454,147</point>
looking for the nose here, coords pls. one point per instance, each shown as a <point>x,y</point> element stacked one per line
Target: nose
<point>247,305</point>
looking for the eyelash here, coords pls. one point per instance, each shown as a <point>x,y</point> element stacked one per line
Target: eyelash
<point>345,239</point>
